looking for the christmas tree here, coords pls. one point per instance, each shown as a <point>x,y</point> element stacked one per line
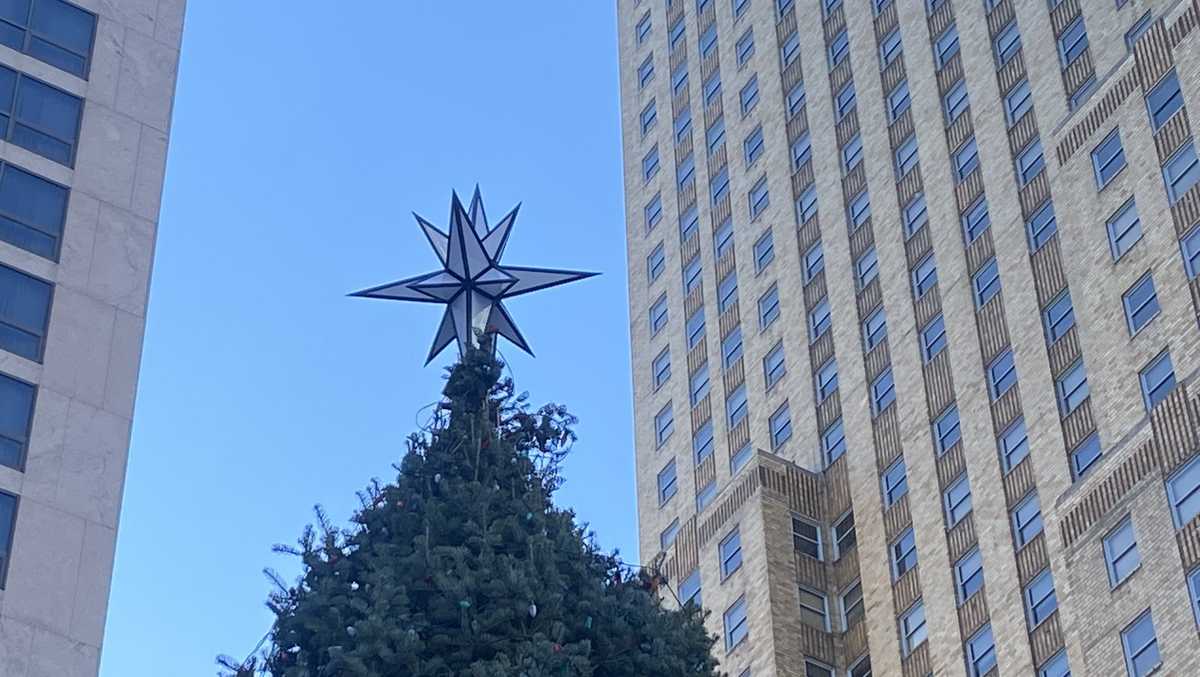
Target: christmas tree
<point>464,566</point>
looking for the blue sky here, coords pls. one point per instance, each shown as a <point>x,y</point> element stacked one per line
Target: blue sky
<point>303,138</point>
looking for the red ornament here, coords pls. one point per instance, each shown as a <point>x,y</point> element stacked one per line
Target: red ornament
<point>557,648</point>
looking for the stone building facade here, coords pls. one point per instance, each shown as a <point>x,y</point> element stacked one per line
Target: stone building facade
<point>914,306</point>
<point>86,92</point>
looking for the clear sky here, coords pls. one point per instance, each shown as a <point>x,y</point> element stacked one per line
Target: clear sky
<point>304,135</point>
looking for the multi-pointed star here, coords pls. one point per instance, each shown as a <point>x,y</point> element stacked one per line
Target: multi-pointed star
<point>472,283</point>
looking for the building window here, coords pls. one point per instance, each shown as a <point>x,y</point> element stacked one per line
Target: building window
<point>1181,172</point>
<point>731,553</point>
<point>699,385</point>
<point>764,251</point>
<point>956,101</point>
<point>852,605</point>
<point>656,262</point>
<point>712,92</point>
<point>759,197</point>
<point>1007,43</point>
<point>737,629</point>
<point>735,405</point>
<point>723,237</point>
<point>1027,520</point>
<point>806,204</point>
<point>1072,388</point>
<point>646,72</point>
<point>1139,27</point>
<point>685,171</point>
<point>727,292</point>
<point>675,33</point>
<point>1083,92</point>
<point>981,652</point>
<point>883,392</point>
<point>904,553</point>
<point>706,496</point>
<point>781,426</point>
<point>819,320</point>
<point>790,49</point>
<point>650,164</point>
<point>653,212</point>
<point>731,347</point>
<point>915,215</point>
<point>739,7</point>
<point>852,153</point>
<point>24,313</point>
<point>845,100</point>
<point>749,95</point>
<point>16,401</point>
<point>906,156</point>
<point>844,536</point>
<point>1190,247</point>
<point>702,442</point>
<point>801,150</point>
<point>813,612</point>
<point>1040,600</point>
<point>976,220</point>
<point>1056,666</point>
<point>1014,444</point>
<point>796,98</point>
<point>689,589</point>
<point>890,48</point>
<point>839,47</point>
<point>912,628</point>
<point>1072,42</point>
<point>968,575</point>
<point>768,307</point>
<point>1002,374</point>
<point>875,328</point>
<point>667,484</point>
<point>1194,590</point>
<point>895,483</point>
<point>689,222</point>
<point>695,328</point>
<point>806,537</point>
<point>1141,646</point>
<point>946,430</point>
<point>986,283</point>
<point>1084,455</point>
<point>860,209</point>
<point>38,117</point>
<point>957,501</point>
<point>1059,317</point>
<point>1141,303</point>
<point>1017,101</point>
<point>741,458</point>
<point>714,136</point>
<point>1183,490</point>
<point>827,380</point>
<point>52,31</point>
<point>863,667</point>
<point>683,129</point>
<point>1124,229</point>
<point>708,41</point>
<point>1041,226</point>
<point>658,315</point>
<point>648,117</point>
<point>1108,158</point>
<point>8,518</point>
<point>664,424</point>
<point>924,276</point>
<point>1030,162</point>
<point>833,441</point>
<point>946,46</point>
<point>814,260</point>
<point>774,365</point>
<point>867,267</point>
<point>667,537</point>
<point>662,368</point>
<point>32,210</point>
<point>1158,379</point>
<point>1164,100</point>
<point>966,159</point>
<point>679,79</point>
<point>744,47</point>
<point>933,338</point>
<point>691,275</point>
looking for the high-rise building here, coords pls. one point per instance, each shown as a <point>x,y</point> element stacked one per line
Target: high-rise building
<point>86,90</point>
<point>914,301</point>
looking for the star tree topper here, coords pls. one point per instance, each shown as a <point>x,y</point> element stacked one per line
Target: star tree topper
<point>472,284</point>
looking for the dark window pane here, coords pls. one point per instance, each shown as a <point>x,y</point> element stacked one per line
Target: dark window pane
<point>16,11</point>
<point>16,409</point>
<point>47,110</point>
<point>64,25</point>
<point>24,307</point>
<point>57,56</point>
<point>8,513</point>
<point>8,87</point>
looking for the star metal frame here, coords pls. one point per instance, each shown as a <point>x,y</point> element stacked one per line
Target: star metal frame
<point>472,283</point>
